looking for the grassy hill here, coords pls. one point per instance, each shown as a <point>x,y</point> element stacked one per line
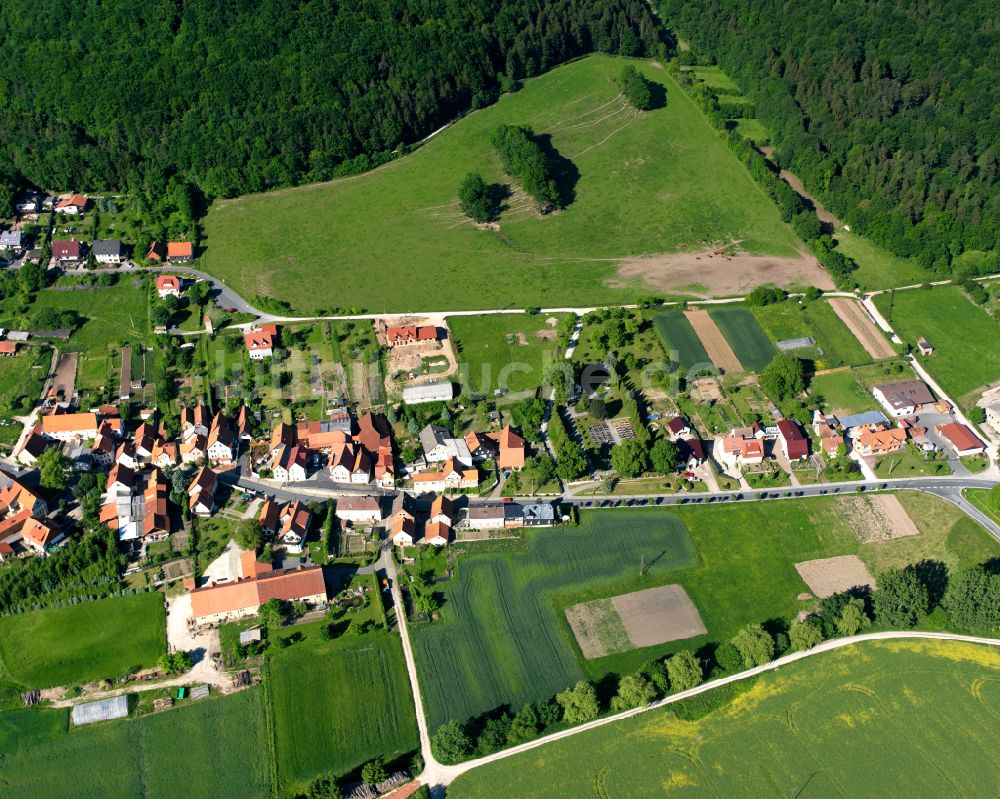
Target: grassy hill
<point>828,726</point>
<point>394,239</point>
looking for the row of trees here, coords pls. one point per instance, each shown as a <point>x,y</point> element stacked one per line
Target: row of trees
<point>571,463</point>
<point>883,110</point>
<point>326,89</point>
<point>455,741</point>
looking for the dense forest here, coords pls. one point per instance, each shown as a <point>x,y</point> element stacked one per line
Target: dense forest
<point>888,110</point>
<point>222,98</point>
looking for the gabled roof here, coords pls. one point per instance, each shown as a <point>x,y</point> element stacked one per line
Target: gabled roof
<point>260,338</point>
<point>405,333</point>
<point>107,247</point>
<point>677,424</point>
<point>363,503</point>
<point>66,249</point>
<point>905,392</point>
<point>205,481</point>
<point>180,249</point>
<point>287,585</point>
<point>69,423</point>
<point>434,530</point>
<point>121,474</point>
<point>433,435</point>
<point>961,437</point>
<point>73,199</point>
<point>269,516</point>
<point>442,506</point>
<point>373,432</point>
<point>295,520</point>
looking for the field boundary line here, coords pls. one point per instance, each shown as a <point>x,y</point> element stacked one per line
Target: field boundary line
<point>446,774</point>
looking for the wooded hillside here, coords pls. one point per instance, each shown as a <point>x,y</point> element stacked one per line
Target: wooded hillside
<point>889,110</point>
<point>239,97</point>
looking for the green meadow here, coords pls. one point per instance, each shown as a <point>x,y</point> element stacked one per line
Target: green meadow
<point>394,239</point>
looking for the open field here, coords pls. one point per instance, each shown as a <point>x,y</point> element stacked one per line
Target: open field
<point>642,184</point>
<point>216,747</point>
<point>719,348</point>
<point>828,576</point>
<point>965,339</point>
<point>744,335</point>
<point>679,339</point>
<point>505,351</point>
<point>21,377</point>
<point>862,327</point>
<point>503,637</point>
<point>835,344</point>
<point>337,704</point>
<point>89,641</point>
<point>878,268</point>
<point>848,391</point>
<point>831,723</point>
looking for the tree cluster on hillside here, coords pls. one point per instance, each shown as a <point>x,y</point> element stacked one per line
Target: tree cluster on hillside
<point>636,89</point>
<point>884,110</point>
<point>178,100</point>
<point>525,161</point>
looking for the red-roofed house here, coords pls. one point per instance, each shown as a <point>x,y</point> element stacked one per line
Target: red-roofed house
<point>243,598</point>
<point>402,335</point>
<point>512,448</point>
<point>155,253</point>
<point>179,251</point>
<point>678,428</point>
<point>8,347</point>
<point>167,285</point>
<point>260,341</point>
<point>962,439</point>
<point>72,205</point>
<point>794,443</point>
<point>66,251</point>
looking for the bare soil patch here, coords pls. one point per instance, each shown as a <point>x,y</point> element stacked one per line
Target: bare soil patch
<point>714,273</point>
<point>598,628</point>
<point>828,576</point>
<point>65,379</point>
<point>881,517</point>
<point>718,349</point>
<point>658,615</point>
<point>860,324</point>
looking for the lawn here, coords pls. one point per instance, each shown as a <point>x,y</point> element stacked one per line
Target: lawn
<point>505,351</point>
<point>21,377</point>
<point>391,239</point>
<point>878,268</point>
<point>842,393</point>
<point>980,498</point>
<point>910,462</point>
<point>503,638</point>
<point>337,704</point>
<point>966,356</point>
<point>680,341</point>
<point>835,344</point>
<point>831,723</point>
<point>89,641</point>
<point>216,747</point>
<point>744,335</point>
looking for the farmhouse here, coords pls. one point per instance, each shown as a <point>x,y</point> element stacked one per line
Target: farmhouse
<point>73,204</point>
<point>243,598</point>
<point>437,534</point>
<point>451,476</point>
<point>108,251</point>
<point>880,441</point>
<point>904,397</point>
<point>66,251</point>
<point>962,439</point>
<point>794,443</point>
<point>260,341</point>
<point>428,392</point>
<point>66,426</point>
<point>359,510</point>
<point>179,251</point>
<point>403,335</point>
<point>168,286</point>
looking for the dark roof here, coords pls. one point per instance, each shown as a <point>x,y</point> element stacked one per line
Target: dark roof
<point>107,247</point>
<point>677,424</point>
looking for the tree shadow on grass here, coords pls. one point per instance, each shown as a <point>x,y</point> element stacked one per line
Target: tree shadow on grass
<point>564,171</point>
<point>657,95</point>
<point>497,194</point>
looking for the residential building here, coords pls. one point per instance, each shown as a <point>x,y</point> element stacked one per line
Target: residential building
<point>11,240</point>
<point>691,453</point>
<point>64,426</point>
<point>350,464</point>
<point>66,251</point>
<point>403,335</point>
<point>962,439</point>
<point>880,441</point>
<point>481,446</point>
<point>436,534</point>
<point>359,510</point>
<point>237,600</point>
<point>793,441</point>
<point>993,415</point>
<point>450,477</point>
<point>179,251</point>
<point>34,445</point>
<point>194,421</point>
<point>402,531</point>
<point>442,510</point>
<point>155,253</point>
<point>373,432</point>
<point>260,341</point>
<point>322,435</point>
<point>904,397</point>
<point>403,507</point>
<point>678,428</point>
<point>73,204</point>
<point>221,440</point>
<point>539,514</point>
<point>441,391</point>
<point>168,286</point>
<point>830,440</point>
<point>734,451</point>
<point>108,251</point>
<point>201,492</point>
<point>512,447</point>
<point>294,520</point>
<point>439,445</point>
<point>484,516</point>
<point>290,464</point>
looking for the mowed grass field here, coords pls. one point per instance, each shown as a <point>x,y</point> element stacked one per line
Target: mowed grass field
<point>216,747</point>
<point>505,351</point>
<point>835,344</point>
<point>744,335</point>
<point>503,638</point>
<point>878,268</point>
<point>874,719</point>
<point>965,338</point>
<point>89,641</point>
<point>679,339</point>
<point>338,704</point>
<point>22,376</point>
<point>394,239</point>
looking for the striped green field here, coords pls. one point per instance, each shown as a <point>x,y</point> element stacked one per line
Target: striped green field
<point>907,718</point>
<point>744,335</point>
<point>679,339</point>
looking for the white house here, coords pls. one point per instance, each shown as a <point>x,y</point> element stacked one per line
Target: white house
<point>359,510</point>
<point>904,397</point>
<point>402,531</point>
<point>108,251</point>
<point>290,464</point>
<point>485,516</point>
<point>67,426</point>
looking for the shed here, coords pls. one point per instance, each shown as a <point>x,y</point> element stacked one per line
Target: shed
<point>250,636</point>
<point>115,707</point>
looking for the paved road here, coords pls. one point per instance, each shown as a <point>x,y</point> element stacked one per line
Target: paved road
<point>439,774</point>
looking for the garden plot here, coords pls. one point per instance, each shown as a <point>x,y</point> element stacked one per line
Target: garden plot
<point>863,328</point>
<point>877,518</point>
<point>828,576</point>
<point>715,344</point>
<point>635,620</point>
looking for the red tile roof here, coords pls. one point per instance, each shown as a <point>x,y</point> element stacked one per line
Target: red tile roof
<point>960,436</point>
<point>168,283</point>
<point>407,333</point>
<point>180,249</point>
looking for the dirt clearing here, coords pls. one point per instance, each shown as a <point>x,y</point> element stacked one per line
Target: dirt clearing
<point>65,379</point>
<point>828,576</point>
<point>711,274</point>
<point>630,621</point>
<point>715,344</point>
<point>881,517</point>
<point>860,324</point>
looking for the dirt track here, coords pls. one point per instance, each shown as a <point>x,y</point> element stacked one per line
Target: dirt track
<point>718,349</point>
<point>860,324</point>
